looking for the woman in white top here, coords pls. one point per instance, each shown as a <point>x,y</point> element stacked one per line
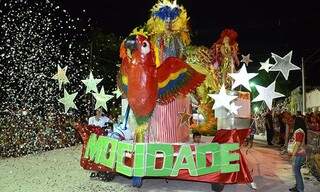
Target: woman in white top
<point>99,120</point>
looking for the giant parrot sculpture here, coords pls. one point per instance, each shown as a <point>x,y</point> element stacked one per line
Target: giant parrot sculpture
<point>145,85</point>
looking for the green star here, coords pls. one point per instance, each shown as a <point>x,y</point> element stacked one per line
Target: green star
<point>67,101</point>
<point>61,76</point>
<point>101,99</point>
<point>117,93</point>
<point>91,83</point>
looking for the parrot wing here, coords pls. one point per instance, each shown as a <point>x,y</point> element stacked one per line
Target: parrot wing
<point>175,77</point>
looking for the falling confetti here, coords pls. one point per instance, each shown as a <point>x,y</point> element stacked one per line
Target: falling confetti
<point>35,38</point>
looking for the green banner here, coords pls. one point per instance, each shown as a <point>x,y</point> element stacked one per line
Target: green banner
<point>164,150</point>
<point>160,159</point>
<point>213,149</point>
<point>139,160</point>
<point>123,149</point>
<point>227,157</point>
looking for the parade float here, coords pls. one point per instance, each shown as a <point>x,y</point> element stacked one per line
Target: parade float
<point>156,78</point>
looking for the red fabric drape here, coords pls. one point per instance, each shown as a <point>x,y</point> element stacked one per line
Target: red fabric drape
<point>235,136</point>
<point>243,176</point>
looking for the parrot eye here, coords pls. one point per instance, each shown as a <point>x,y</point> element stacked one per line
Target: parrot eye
<point>144,44</point>
<point>145,49</point>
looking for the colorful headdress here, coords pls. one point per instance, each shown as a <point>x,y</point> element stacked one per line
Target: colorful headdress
<point>167,16</point>
<point>166,10</point>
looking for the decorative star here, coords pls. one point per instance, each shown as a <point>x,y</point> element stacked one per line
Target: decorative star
<point>267,94</point>
<point>101,99</point>
<point>222,99</point>
<point>246,59</point>
<point>117,92</point>
<point>91,83</point>
<point>185,118</point>
<point>266,65</point>
<point>67,101</point>
<point>61,76</point>
<point>283,64</point>
<point>242,78</point>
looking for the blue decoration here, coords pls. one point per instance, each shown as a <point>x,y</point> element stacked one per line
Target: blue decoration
<point>166,13</point>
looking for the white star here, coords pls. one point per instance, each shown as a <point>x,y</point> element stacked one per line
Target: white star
<point>246,59</point>
<point>67,101</point>
<point>61,76</point>
<point>267,94</point>
<point>117,92</point>
<point>234,108</point>
<point>101,99</point>
<point>222,99</point>
<point>91,83</point>
<point>242,78</point>
<point>283,64</point>
<point>265,65</point>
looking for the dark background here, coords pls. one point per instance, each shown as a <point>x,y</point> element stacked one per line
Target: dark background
<point>263,26</point>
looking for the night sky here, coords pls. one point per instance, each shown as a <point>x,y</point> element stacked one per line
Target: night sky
<point>263,26</point>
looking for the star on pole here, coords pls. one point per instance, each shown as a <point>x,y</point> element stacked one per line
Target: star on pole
<point>117,92</point>
<point>91,83</point>
<point>283,64</point>
<point>266,65</point>
<point>242,78</point>
<point>222,99</point>
<point>67,101</point>
<point>61,76</point>
<point>267,94</point>
<point>246,59</point>
<point>101,99</point>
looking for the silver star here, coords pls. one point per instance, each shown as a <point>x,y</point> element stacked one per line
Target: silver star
<point>61,76</point>
<point>246,59</point>
<point>242,78</point>
<point>91,83</point>
<point>101,99</point>
<point>117,92</point>
<point>267,94</point>
<point>67,101</point>
<point>222,99</point>
<point>283,64</point>
<point>266,65</point>
<point>234,108</point>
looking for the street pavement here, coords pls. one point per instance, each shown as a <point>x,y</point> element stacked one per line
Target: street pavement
<point>59,171</point>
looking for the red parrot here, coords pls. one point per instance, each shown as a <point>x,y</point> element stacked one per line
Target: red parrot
<point>144,84</point>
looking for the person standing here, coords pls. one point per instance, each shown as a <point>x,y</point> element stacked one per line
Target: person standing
<point>282,126</point>
<point>269,127</point>
<point>253,130</point>
<point>298,157</point>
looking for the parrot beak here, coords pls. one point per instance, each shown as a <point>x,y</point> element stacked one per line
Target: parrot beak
<point>130,44</point>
